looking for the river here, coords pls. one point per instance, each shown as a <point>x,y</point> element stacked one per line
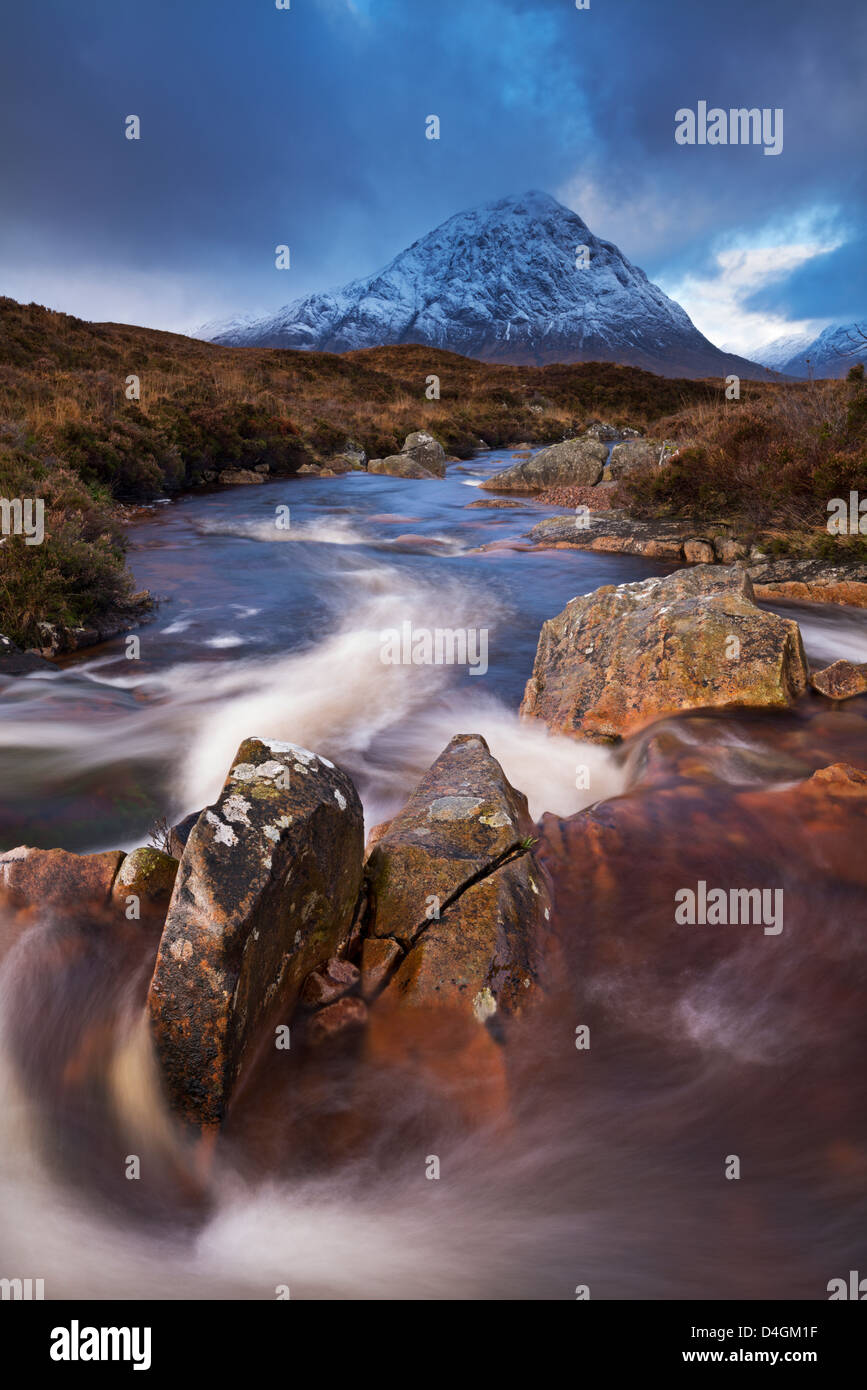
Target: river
<point>264,629</point>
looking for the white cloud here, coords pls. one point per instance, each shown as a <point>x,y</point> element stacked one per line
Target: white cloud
<point>716,301</point>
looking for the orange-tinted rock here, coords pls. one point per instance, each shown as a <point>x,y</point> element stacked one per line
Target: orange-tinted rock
<point>487,955</point>
<point>336,978</point>
<point>697,552</point>
<point>265,894</point>
<point>461,819</point>
<point>341,1020</point>
<point>378,956</point>
<point>56,879</point>
<point>852,592</point>
<point>455,882</point>
<point>841,680</point>
<point>619,658</point>
<point>617,870</point>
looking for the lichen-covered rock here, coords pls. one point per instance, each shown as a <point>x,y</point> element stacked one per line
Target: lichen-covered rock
<point>616,659</point>
<point>400,466</point>
<point>265,894</point>
<point>576,461</point>
<point>841,680</point>
<point>634,453</point>
<point>462,818</point>
<point>427,451</point>
<point>453,882</point>
<point>149,876</point>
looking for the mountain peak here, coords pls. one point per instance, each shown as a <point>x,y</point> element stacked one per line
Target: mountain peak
<point>518,279</point>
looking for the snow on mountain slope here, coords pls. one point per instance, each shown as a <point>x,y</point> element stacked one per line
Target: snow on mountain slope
<point>502,283</point>
<point>831,354</point>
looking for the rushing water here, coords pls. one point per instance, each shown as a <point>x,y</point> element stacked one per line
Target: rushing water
<point>278,632</point>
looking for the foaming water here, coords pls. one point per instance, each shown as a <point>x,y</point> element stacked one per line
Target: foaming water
<point>608,1172</point>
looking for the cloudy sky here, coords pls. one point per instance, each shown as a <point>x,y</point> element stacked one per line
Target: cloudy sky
<point>306,126</point>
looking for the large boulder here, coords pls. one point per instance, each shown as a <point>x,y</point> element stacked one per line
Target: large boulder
<point>618,658</point>
<point>635,453</point>
<point>461,907</point>
<point>427,451</point>
<point>575,462</point>
<point>265,895</point>
<point>400,466</point>
<point>454,883</point>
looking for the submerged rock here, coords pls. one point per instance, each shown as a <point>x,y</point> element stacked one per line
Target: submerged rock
<point>616,659</point>
<point>400,466</point>
<point>265,895</point>
<point>576,461</point>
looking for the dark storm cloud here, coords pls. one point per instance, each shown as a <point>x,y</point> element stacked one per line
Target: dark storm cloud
<point>261,126</point>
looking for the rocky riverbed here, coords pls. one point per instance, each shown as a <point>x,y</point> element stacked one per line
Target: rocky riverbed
<point>409,962</point>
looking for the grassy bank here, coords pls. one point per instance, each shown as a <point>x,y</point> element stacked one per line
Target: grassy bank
<point>768,464</point>
<point>69,434</point>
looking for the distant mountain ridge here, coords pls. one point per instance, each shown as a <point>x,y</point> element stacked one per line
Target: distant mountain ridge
<point>502,283</point>
<point>830,354</point>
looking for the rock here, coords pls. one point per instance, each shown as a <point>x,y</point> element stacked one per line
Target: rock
<point>14,662</point>
<point>697,552</point>
<point>345,463</point>
<point>308,468</point>
<point>728,550</point>
<point>619,658</point>
<point>809,580</point>
<point>851,592</point>
<point>599,430</point>
<point>841,680</point>
<point>631,454</point>
<point>728,988</point>
<point>400,466</point>
<point>610,530</point>
<point>180,833</point>
<point>58,880</point>
<point>494,503</point>
<point>149,875</point>
<point>453,881</point>
<point>234,477</point>
<point>379,954</point>
<point>336,978</point>
<point>354,451</point>
<point>266,894</point>
<point>462,911</point>
<point>426,451</point>
<point>578,461</point>
<point>337,1023</point>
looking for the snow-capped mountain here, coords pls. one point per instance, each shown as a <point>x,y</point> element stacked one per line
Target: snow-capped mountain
<point>831,354</point>
<point>504,282</point>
